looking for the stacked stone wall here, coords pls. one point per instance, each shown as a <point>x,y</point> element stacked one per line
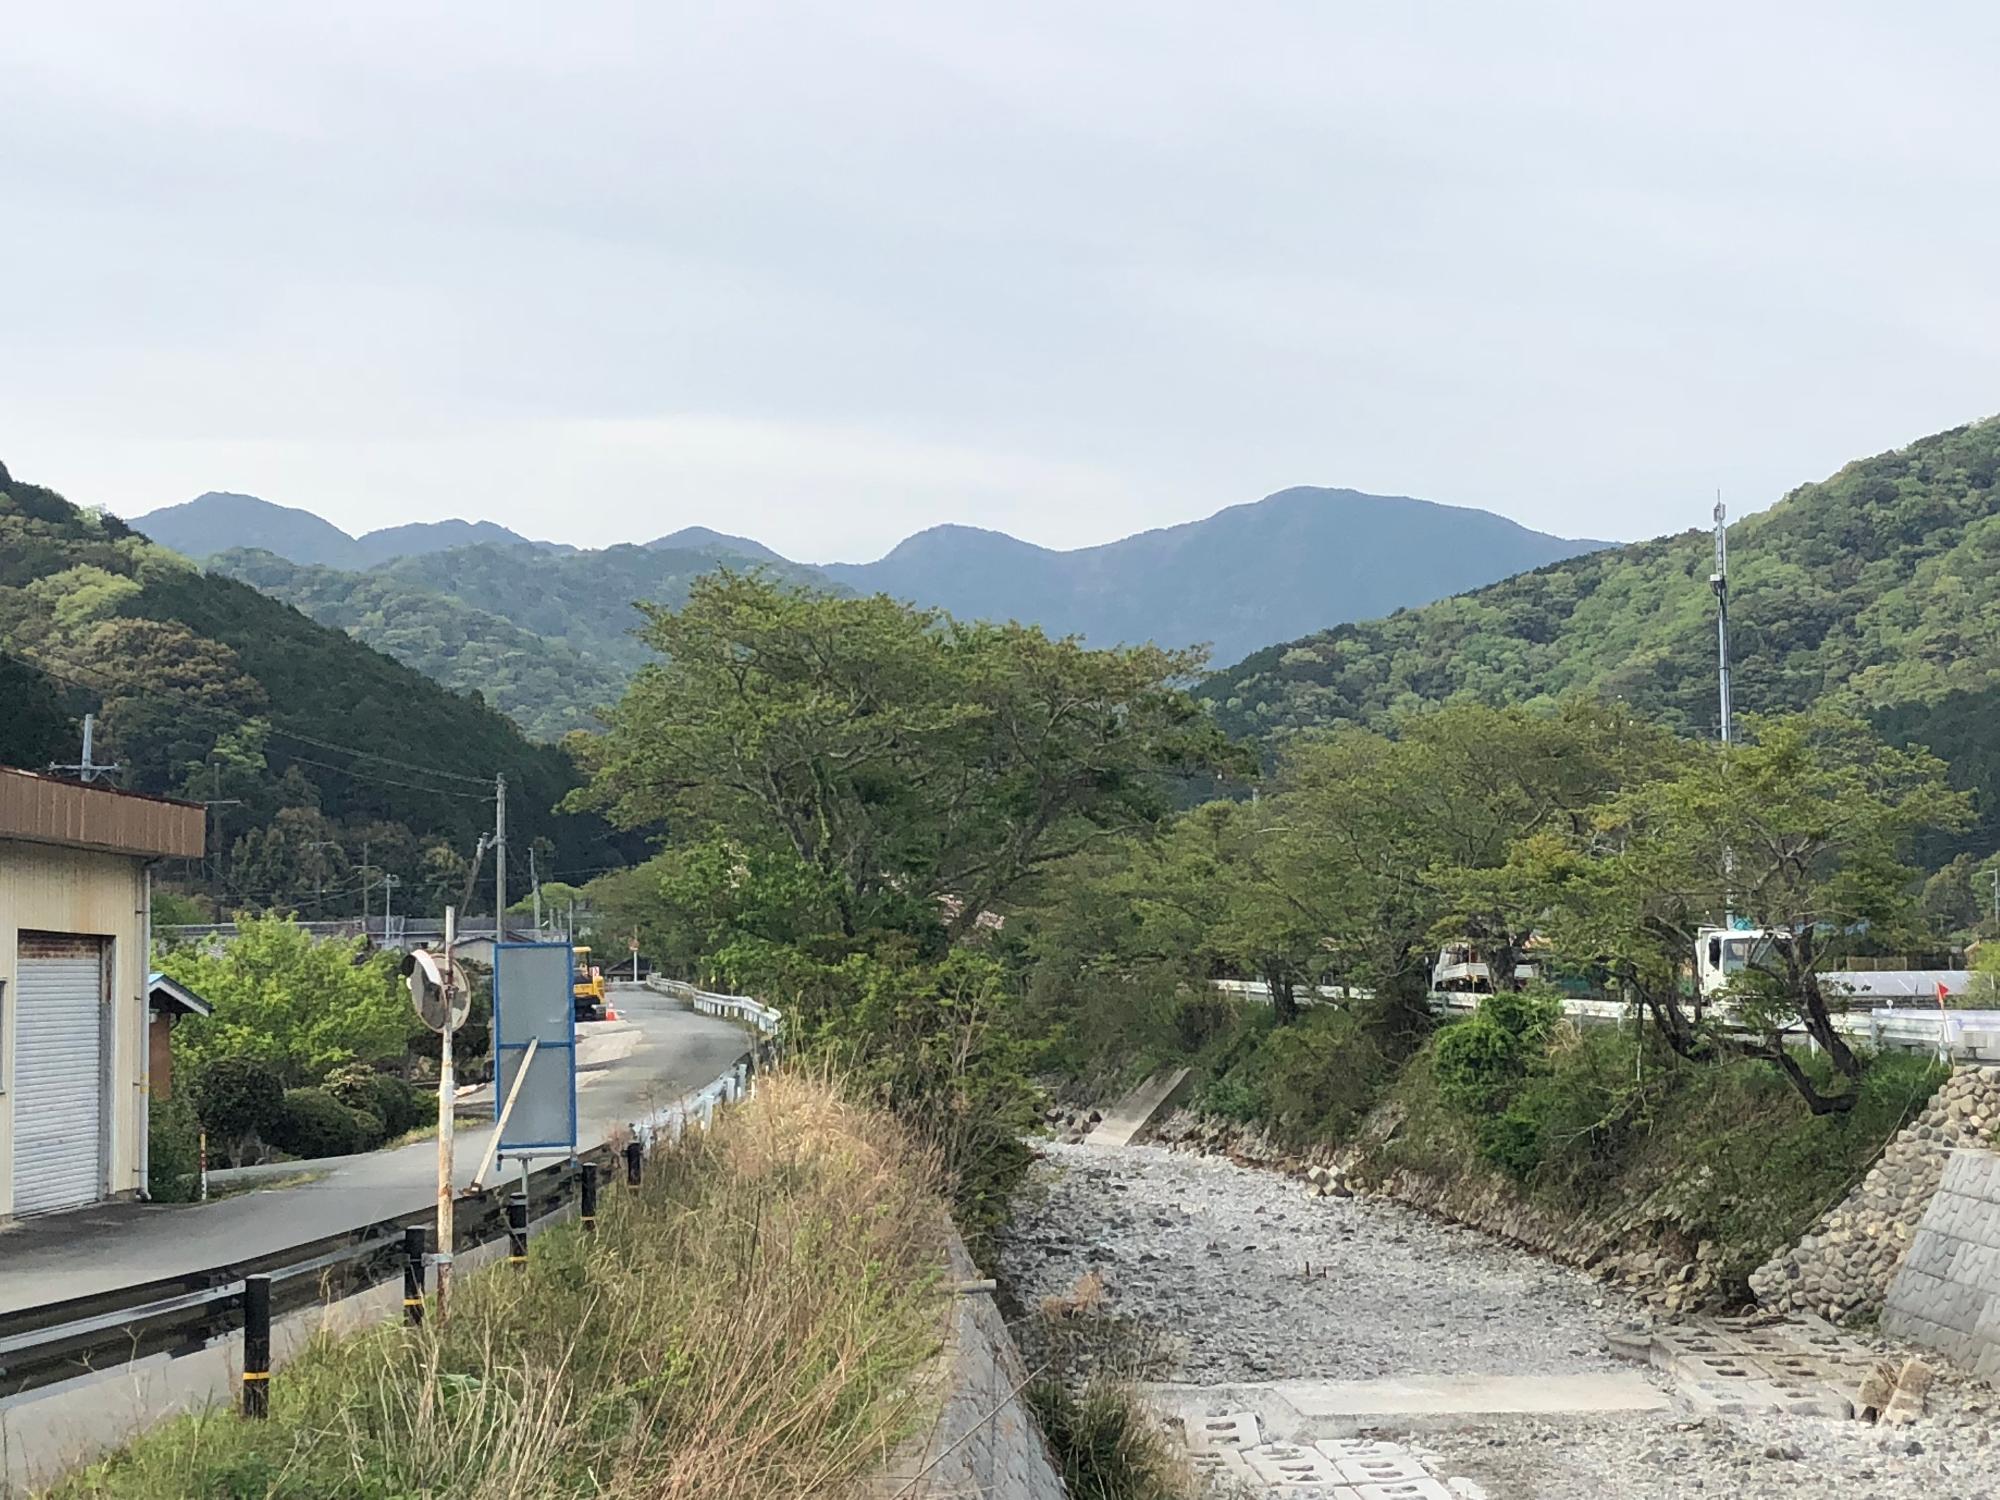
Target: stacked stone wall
<point>1842,1268</point>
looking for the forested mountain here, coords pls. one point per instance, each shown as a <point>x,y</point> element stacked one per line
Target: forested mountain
<point>219,522</point>
<point>1293,561</point>
<point>317,753</point>
<point>1878,588</point>
<point>541,683</point>
<point>547,637</point>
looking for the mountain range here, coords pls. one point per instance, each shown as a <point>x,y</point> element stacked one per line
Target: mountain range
<point>299,738</point>
<point>1876,589</point>
<point>454,598</point>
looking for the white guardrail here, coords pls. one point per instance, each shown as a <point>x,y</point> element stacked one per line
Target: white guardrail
<point>1966,1036</point>
<point>767,1019</point>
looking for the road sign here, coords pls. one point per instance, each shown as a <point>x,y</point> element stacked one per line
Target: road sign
<point>534,1037</point>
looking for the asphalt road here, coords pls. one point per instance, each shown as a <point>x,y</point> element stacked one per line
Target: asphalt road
<point>623,1075</point>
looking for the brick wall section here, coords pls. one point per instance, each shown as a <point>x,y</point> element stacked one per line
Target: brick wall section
<point>985,1444</point>
<point>1946,1296</point>
<point>1843,1267</point>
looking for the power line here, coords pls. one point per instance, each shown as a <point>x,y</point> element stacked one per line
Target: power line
<point>164,691</point>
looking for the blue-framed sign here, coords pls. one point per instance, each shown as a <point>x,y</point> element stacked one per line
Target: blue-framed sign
<point>534,1003</point>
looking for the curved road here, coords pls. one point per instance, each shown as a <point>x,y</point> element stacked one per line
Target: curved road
<point>654,1054</point>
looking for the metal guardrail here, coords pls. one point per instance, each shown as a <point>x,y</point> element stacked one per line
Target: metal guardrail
<point>767,1019</point>
<point>57,1341</point>
<point>1965,1036</point>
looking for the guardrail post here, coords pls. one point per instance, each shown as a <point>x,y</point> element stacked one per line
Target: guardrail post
<point>588,1212</point>
<point>635,1155</point>
<point>256,1346</point>
<point>517,1231</point>
<point>413,1274</point>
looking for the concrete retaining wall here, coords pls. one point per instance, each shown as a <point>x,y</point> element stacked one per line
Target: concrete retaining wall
<point>1946,1295</point>
<point>1843,1267</point>
<point>1131,1116</point>
<point>985,1445</point>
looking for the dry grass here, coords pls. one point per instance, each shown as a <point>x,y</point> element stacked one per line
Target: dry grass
<point>747,1325</point>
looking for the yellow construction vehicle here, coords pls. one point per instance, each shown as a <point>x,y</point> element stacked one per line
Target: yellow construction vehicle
<point>587,989</point>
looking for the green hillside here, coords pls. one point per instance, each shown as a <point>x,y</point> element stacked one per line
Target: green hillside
<point>545,686</point>
<point>302,737</point>
<point>1878,588</point>
<point>546,636</point>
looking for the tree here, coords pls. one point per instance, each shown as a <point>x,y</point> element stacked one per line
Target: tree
<point>301,1005</point>
<point>1798,831</point>
<point>913,765</point>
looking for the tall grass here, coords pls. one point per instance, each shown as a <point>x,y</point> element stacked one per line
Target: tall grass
<point>747,1324</point>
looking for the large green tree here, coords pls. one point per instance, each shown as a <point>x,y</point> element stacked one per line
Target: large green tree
<point>911,764</point>
<point>1801,831</point>
<point>302,1005</point>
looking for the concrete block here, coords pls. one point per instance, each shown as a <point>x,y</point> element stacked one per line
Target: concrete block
<point>1410,1489</point>
<point>1381,1470</point>
<point>1288,1464</point>
<point>1237,1430</point>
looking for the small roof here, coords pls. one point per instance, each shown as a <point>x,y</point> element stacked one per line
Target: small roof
<point>165,994</point>
<point>45,810</point>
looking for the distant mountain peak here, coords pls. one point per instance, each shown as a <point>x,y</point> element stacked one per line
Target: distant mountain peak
<point>703,539</point>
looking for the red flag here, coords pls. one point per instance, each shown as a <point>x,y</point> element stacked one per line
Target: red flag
<point>1943,994</point>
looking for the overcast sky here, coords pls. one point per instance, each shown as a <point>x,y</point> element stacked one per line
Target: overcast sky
<point>828,273</point>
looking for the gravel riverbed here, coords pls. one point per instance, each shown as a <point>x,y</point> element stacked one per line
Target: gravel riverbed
<point>1216,1257</point>
<point>1212,1259</point>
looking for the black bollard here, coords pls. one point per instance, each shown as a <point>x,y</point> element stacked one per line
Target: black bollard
<point>413,1274</point>
<point>256,1346</point>
<point>635,1154</point>
<point>517,1231</point>
<point>589,1206</point>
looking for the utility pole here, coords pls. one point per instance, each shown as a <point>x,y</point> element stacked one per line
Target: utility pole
<point>319,875</point>
<point>1994,876</point>
<point>535,884</point>
<point>366,868</point>
<point>1719,581</point>
<point>389,884</point>
<point>499,859</point>
<point>86,768</point>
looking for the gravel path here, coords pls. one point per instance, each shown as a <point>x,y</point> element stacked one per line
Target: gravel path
<point>1212,1256</point>
<point>1751,1458</point>
<point>1215,1255</point>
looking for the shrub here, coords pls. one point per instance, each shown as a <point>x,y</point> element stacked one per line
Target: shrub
<point>173,1151</point>
<point>392,1101</point>
<point>238,1099</point>
<point>314,1123</point>
<point>1109,1448</point>
<point>399,1106</point>
<point>1201,1019</point>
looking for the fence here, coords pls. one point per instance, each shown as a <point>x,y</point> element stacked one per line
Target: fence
<point>53,1342</point>
<point>768,1020</point>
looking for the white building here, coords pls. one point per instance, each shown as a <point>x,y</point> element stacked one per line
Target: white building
<point>75,912</point>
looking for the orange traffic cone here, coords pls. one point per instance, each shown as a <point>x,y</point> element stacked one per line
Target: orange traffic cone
<point>610,1011</point>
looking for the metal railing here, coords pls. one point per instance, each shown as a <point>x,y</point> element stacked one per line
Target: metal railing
<point>62,1340</point>
<point>767,1019</point>
<point>57,1341</point>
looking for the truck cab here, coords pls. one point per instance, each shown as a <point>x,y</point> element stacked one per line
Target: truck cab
<point>1721,953</point>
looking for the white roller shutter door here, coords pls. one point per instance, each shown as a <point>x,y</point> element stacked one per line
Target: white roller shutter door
<point>58,1097</point>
